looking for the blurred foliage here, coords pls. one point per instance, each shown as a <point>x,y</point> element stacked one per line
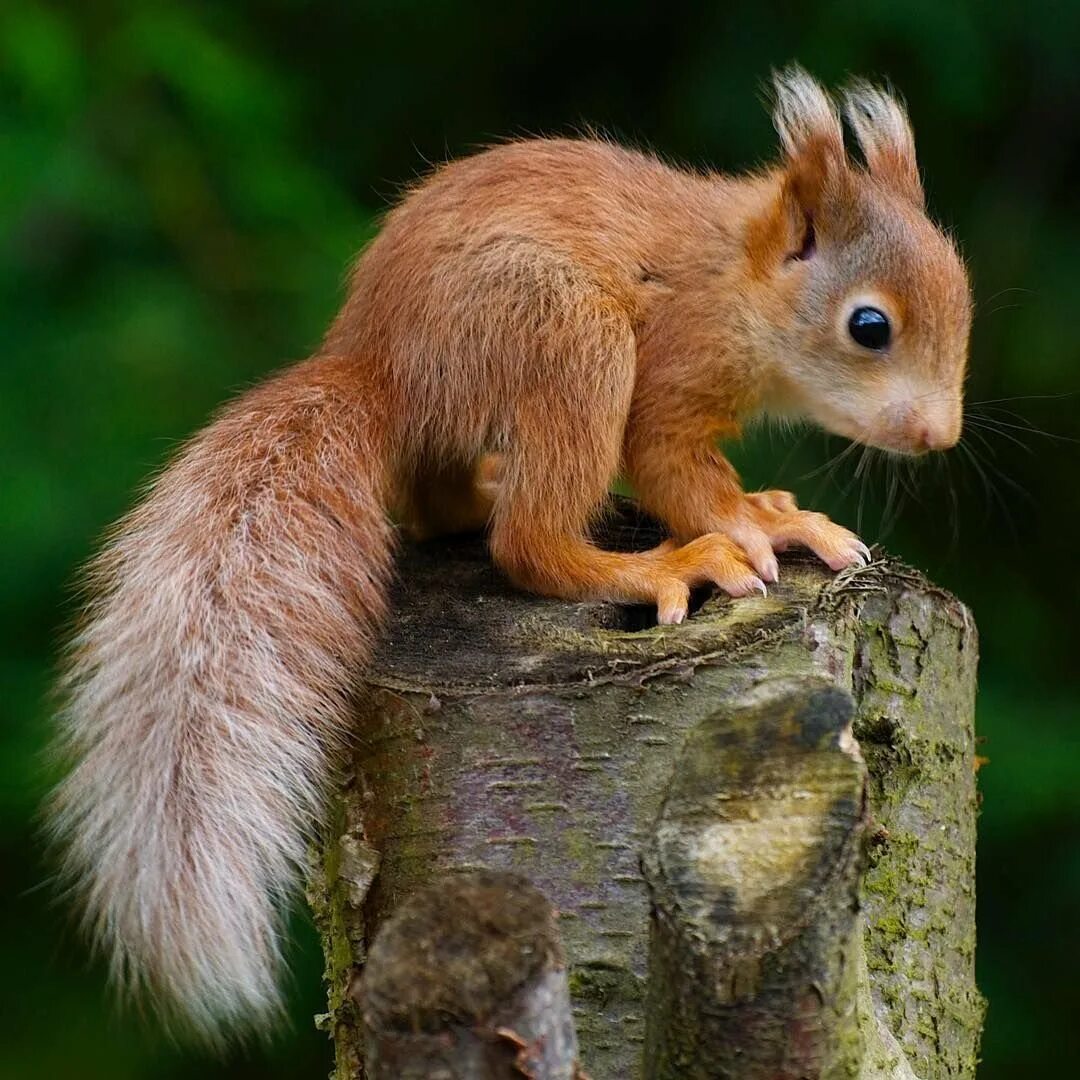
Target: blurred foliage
<point>182,185</point>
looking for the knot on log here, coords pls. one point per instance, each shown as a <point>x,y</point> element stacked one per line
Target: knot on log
<point>753,871</point>
<point>467,981</point>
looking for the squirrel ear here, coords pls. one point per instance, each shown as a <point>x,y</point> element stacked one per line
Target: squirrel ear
<point>880,123</point>
<point>810,133</point>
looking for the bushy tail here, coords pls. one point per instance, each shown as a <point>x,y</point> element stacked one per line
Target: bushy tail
<point>209,688</point>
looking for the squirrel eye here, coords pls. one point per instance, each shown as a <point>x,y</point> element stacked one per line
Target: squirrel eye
<point>869,328</point>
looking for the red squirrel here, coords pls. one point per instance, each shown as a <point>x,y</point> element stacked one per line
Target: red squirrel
<point>529,323</point>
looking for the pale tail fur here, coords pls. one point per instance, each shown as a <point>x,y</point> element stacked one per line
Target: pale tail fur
<point>209,687</point>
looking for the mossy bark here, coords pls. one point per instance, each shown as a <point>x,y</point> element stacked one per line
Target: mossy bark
<point>499,730</point>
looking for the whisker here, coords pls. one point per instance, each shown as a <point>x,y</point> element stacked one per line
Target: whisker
<point>992,495</point>
<point>1027,427</point>
<point>1025,397</point>
<point>862,471</point>
<point>1010,289</point>
<point>782,467</point>
<point>986,443</point>
<point>835,460</point>
<point>906,470</point>
<point>891,514</point>
<point>944,465</point>
<point>995,410</point>
<point>865,459</point>
<point>1004,478</point>
<point>978,425</point>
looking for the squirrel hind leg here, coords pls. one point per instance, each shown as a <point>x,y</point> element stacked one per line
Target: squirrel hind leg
<point>453,498</point>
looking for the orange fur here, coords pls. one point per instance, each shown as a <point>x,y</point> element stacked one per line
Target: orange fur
<point>529,322</point>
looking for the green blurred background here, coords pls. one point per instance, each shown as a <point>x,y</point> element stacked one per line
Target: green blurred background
<point>182,186</point>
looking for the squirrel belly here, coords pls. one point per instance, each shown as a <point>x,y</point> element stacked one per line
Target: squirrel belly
<point>209,687</point>
<point>557,311</point>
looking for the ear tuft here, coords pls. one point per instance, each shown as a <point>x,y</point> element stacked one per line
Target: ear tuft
<point>812,137</point>
<point>881,126</point>
<point>804,114</point>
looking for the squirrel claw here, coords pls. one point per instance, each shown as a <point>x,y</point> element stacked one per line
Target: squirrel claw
<point>668,616</point>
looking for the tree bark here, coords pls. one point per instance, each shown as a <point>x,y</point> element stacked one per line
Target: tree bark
<point>561,742</point>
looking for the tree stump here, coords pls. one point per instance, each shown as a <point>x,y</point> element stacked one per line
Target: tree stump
<point>826,906</point>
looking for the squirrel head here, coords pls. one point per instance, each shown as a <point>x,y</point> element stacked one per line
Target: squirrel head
<point>859,304</point>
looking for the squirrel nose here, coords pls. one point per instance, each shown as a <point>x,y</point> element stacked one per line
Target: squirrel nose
<point>926,437</point>
<point>917,427</point>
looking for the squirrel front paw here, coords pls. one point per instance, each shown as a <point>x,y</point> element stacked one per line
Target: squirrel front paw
<point>770,521</point>
<point>710,559</point>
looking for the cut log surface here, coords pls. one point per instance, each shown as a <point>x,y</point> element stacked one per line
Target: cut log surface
<point>562,742</point>
<point>467,981</point>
